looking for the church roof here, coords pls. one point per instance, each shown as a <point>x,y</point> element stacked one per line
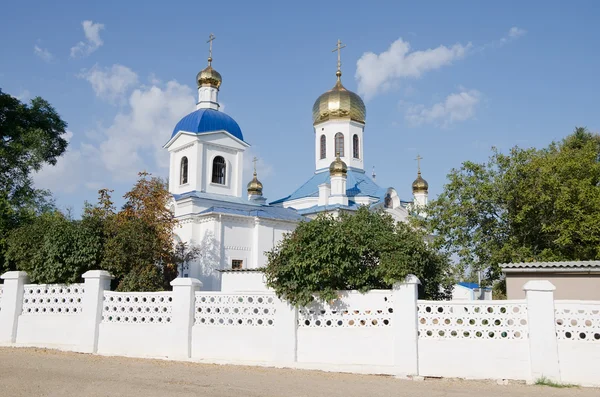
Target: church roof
<point>208,120</point>
<point>224,204</point>
<point>358,185</point>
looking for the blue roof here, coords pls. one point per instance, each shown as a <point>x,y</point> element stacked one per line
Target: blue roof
<point>358,184</point>
<point>208,120</point>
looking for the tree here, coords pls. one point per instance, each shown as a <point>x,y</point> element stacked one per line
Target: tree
<point>527,205</point>
<point>55,249</point>
<point>138,248</point>
<point>30,136</point>
<point>361,251</point>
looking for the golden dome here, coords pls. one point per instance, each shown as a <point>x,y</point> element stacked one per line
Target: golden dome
<point>338,167</point>
<point>209,77</point>
<point>420,185</point>
<point>339,103</point>
<point>255,187</point>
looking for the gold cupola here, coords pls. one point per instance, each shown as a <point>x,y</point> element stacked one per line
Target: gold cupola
<point>338,102</point>
<point>420,185</point>
<point>255,187</point>
<point>208,77</point>
<point>338,167</point>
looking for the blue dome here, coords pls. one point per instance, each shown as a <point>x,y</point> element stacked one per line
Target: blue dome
<point>208,120</point>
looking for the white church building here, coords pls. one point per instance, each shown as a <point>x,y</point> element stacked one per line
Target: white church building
<point>235,227</point>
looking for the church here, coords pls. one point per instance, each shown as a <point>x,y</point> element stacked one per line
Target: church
<point>233,227</point>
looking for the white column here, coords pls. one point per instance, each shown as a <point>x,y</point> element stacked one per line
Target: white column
<point>184,305</point>
<point>405,325</point>
<point>286,333</point>
<point>12,304</point>
<point>96,282</point>
<point>543,348</point>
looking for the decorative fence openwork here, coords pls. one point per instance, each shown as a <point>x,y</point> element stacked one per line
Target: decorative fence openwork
<point>52,299</point>
<point>377,312</point>
<point>577,321</point>
<point>235,309</point>
<point>137,307</point>
<point>472,320</point>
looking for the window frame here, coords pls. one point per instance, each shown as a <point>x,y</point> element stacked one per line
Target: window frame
<point>355,146</point>
<point>339,142</point>
<point>237,264</point>
<point>219,178</point>
<point>323,146</point>
<point>184,171</point>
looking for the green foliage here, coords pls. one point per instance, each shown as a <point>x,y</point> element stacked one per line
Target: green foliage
<point>527,205</point>
<point>31,136</point>
<point>543,381</point>
<point>134,244</point>
<point>361,251</point>
<point>54,249</point>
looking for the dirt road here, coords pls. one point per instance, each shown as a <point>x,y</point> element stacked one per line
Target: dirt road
<point>39,372</point>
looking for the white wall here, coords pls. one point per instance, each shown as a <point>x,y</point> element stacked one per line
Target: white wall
<point>381,332</point>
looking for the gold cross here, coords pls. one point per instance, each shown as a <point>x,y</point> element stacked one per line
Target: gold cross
<point>211,37</point>
<point>419,158</point>
<point>338,48</point>
<point>255,160</point>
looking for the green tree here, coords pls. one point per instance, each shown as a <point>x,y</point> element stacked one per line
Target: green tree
<point>527,205</point>
<point>55,249</point>
<point>138,248</point>
<point>361,251</point>
<point>30,136</point>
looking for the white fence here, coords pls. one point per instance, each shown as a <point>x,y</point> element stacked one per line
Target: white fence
<point>380,332</point>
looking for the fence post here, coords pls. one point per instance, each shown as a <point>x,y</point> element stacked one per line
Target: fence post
<point>182,318</point>
<point>95,283</point>
<point>405,326</point>
<point>12,304</point>
<point>286,332</point>
<point>543,348</point>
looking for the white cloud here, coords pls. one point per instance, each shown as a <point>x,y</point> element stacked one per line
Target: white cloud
<point>456,107</point>
<point>377,73</point>
<point>93,40</point>
<point>134,140</point>
<point>516,32</point>
<point>43,53</point>
<point>110,83</point>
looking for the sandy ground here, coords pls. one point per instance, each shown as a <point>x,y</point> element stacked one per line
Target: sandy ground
<point>40,372</point>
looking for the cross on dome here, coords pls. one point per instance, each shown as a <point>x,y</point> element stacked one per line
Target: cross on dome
<point>211,37</point>
<point>338,48</point>
<point>419,158</point>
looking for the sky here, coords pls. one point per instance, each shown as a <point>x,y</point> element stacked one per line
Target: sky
<point>445,80</point>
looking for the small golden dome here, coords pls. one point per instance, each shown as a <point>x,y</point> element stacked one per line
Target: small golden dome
<point>209,77</point>
<point>255,187</point>
<point>420,185</point>
<point>338,167</point>
<point>339,103</point>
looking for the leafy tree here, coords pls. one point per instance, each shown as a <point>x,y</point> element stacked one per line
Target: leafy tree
<point>138,248</point>
<point>361,251</point>
<point>527,205</point>
<point>30,136</point>
<point>55,249</point>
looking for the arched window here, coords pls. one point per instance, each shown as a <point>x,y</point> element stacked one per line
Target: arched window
<point>339,144</point>
<point>218,171</point>
<point>183,172</point>
<point>323,147</point>
<point>355,149</point>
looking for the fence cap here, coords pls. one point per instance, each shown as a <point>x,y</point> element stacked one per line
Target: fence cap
<point>410,279</point>
<point>97,274</point>
<point>13,275</point>
<point>539,285</point>
<point>186,282</point>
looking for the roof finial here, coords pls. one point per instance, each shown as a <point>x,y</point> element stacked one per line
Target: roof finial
<point>338,48</point>
<point>255,160</point>
<point>211,37</point>
<point>374,175</point>
<point>419,158</point>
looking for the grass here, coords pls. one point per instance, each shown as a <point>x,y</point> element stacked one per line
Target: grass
<point>543,381</point>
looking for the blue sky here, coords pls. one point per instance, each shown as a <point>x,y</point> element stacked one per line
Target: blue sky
<point>447,80</point>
